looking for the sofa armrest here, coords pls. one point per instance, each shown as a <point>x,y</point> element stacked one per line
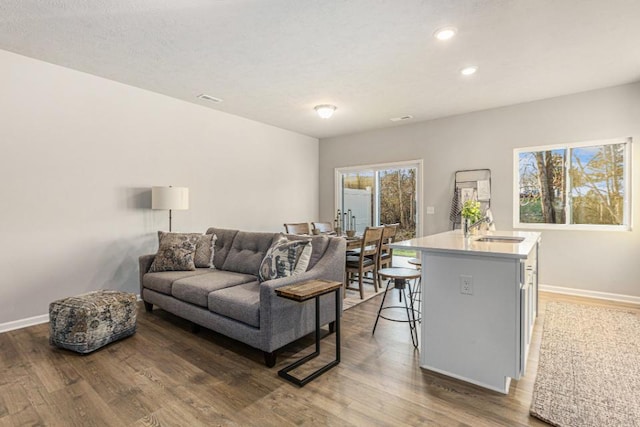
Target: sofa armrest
<point>144,263</point>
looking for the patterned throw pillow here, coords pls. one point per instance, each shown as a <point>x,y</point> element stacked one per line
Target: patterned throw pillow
<point>175,252</point>
<point>205,247</point>
<point>285,258</point>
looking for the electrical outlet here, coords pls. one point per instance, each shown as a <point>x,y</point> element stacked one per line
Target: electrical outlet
<point>466,284</point>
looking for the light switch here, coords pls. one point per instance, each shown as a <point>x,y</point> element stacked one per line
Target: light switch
<point>431,210</point>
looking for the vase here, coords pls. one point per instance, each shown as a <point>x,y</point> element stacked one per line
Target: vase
<point>465,227</point>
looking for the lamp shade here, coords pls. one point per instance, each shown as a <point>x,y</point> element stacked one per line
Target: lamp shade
<point>167,198</point>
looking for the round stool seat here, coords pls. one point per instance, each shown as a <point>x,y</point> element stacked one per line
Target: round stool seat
<point>414,261</point>
<point>399,273</point>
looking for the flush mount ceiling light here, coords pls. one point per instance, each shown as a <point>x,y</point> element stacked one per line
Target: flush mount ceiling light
<point>445,33</point>
<point>467,71</point>
<point>325,110</point>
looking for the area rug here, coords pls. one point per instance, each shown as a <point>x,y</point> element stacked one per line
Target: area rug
<point>589,367</point>
<point>352,297</point>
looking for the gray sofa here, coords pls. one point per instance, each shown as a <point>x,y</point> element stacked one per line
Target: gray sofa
<point>230,300</point>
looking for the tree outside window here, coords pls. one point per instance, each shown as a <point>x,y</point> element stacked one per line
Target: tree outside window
<point>577,184</point>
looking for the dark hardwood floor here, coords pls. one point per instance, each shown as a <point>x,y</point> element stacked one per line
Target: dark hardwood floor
<point>165,375</point>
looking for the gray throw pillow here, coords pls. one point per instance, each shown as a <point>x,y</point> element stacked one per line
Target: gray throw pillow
<point>205,247</point>
<point>285,258</point>
<point>175,252</point>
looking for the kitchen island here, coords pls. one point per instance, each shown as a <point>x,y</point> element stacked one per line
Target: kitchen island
<point>480,301</point>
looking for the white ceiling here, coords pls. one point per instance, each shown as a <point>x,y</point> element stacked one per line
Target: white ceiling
<point>273,60</point>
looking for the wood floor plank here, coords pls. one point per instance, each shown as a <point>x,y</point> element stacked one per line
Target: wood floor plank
<point>165,375</point>
<point>118,385</point>
<point>47,363</point>
<point>80,405</point>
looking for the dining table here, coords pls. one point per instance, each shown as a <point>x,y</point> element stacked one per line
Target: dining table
<point>353,242</point>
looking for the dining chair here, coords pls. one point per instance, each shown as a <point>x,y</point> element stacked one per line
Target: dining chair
<point>297,228</point>
<point>385,254</point>
<point>366,260</point>
<point>322,227</point>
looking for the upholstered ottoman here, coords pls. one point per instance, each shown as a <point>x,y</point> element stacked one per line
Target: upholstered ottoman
<point>85,323</point>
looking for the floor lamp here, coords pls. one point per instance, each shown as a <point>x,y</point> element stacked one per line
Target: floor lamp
<point>170,198</point>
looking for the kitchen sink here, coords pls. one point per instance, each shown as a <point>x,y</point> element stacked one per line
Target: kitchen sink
<point>500,239</point>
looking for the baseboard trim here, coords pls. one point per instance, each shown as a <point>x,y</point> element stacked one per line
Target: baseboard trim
<point>23,323</point>
<point>589,294</point>
<point>504,389</point>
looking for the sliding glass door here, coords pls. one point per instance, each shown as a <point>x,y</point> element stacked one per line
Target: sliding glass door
<point>380,194</point>
<point>357,198</point>
<point>397,200</point>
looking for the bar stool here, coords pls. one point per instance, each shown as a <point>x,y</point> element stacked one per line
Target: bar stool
<point>401,277</point>
<point>417,292</point>
<point>415,261</point>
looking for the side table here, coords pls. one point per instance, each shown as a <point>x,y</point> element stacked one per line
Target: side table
<point>303,292</point>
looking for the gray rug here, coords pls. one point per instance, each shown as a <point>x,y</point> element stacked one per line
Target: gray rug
<point>589,367</point>
<point>352,298</point>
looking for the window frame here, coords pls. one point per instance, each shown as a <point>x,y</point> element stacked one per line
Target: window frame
<point>627,204</point>
<point>375,168</point>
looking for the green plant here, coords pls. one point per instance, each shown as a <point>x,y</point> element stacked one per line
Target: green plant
<point>471,211</point>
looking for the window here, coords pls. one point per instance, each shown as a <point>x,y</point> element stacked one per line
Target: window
<point>381,194</point>
<point>573,186</point>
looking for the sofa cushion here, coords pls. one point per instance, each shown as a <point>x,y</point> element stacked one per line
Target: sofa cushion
<point>240,303</point>
<point>285,258</point>
<point>223,244</point>
<point>247,251</point>
<point>319,245</point>
<point>175,252</point>
<point>196,289</point>
<point>162,281</point>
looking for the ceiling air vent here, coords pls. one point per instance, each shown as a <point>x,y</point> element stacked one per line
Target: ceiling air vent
<point>209,98</point>
<point>401,119</point>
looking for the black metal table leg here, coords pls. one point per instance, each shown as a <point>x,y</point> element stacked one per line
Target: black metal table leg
<point>284,372</point>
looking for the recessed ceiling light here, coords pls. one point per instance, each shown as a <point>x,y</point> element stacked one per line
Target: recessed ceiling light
<point>467,71</point>
<point>209,98</point>
<point>445,33</point>
<point>325,110</point>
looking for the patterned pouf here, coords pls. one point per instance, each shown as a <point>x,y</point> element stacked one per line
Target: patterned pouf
<point>87,322</point>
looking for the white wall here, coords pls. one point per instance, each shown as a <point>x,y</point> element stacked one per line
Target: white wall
<point>595,261</point>
<point>78,157</point>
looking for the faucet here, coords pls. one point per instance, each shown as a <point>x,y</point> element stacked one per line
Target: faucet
<point>467,229</point>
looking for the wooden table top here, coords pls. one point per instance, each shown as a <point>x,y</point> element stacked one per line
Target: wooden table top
<point>353,242</point>
<point>307,290</point>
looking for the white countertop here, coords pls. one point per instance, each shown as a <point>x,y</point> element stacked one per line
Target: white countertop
<point>455,242</point>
